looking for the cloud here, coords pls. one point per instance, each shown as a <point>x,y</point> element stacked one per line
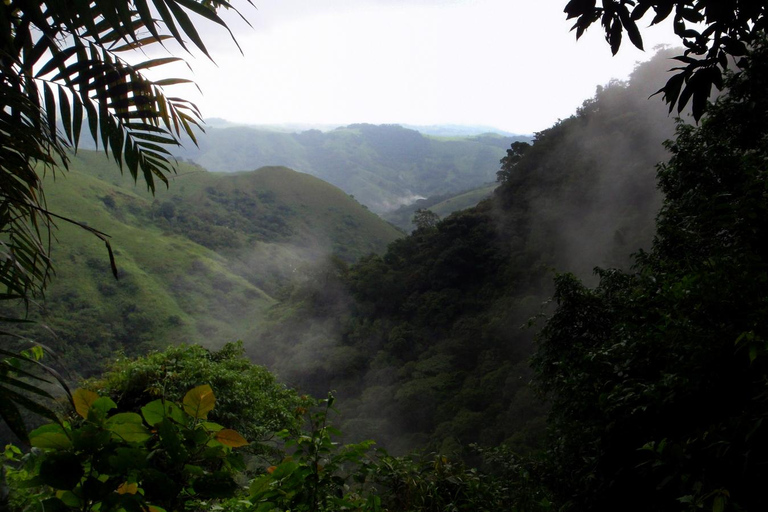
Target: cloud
<point>514,65</point>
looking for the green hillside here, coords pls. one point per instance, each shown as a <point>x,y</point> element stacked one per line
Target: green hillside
<point>383,166</point>
<point>199,262</point>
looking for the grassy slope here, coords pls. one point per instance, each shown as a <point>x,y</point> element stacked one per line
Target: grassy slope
<point>172,289</point>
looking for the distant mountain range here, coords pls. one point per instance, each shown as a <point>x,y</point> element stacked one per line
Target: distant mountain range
<point>439,130</point>
<point>382,166</point>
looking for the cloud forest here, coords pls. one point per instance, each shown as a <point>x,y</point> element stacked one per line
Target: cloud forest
<point>372,317</point>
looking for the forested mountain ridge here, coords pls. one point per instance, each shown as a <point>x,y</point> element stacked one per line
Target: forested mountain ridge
<point>383,166</point>
<point>200,262</point>
<point>425,343</point>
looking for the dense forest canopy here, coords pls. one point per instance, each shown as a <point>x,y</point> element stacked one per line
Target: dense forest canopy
<point>649,371</point>
<point>657,377</point>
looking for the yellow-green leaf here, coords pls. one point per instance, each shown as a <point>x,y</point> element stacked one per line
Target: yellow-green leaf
<point>229,437</point>
<point>126,488</point>
<point>198,402</point>
<point>83,400</point>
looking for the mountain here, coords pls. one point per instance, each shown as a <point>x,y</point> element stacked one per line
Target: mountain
<point>429,343</point>
<point>383,166</point>
<point>199,262</point>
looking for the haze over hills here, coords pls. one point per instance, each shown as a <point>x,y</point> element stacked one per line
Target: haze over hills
<point>383,166</point>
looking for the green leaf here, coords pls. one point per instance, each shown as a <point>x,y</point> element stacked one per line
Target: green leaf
<point>719,504</point>
<point>198,402</point>
<point>156,411</point>
<point>70,499</point>
<point>99,409</point>
<point>50,107</point>
<point>129,427</point>
<point>51,436</point>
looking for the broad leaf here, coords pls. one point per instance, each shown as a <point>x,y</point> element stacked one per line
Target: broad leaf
<point>229,437</point>
<point>129,427</point>
<point>198,402</point>
<point>83,400</point>
<point>52,436</point>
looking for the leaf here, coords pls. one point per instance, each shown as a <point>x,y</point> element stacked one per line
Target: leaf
<point>229,437</point>
<point>198,402</point>
<point>83,400</point>
<point>719,504</point>
<point>50,107</point>
<point>12,417</point>
<point>157,410</point>
<point>126,488</point>
<point>51,436</point>
<point>631,27</point>
<point>129,427</point>
<point>100,408</point>
<point>66,113</point>
<point>70,499</point>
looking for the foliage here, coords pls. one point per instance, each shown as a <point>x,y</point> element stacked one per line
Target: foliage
<point>18,372</point>
<point>62,63</point>
<point>657,377</point>
<point>712,32</point>
<point>320,474</point>
<point>314,475</point>
<point>514,155</point>
<point>250,400</point>
<point>425,219</point>
<point>171,289</point>
<point>426,344</point>
<point>169,457</point>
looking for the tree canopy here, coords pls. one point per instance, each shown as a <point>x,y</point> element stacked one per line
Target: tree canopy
<point>711,31</point>
<point>657,377</point>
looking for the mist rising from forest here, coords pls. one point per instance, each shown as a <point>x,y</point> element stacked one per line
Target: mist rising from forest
<point>602,220</point>
<point>588,198</point>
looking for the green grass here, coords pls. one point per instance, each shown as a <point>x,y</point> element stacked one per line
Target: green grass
<point>172,289</point>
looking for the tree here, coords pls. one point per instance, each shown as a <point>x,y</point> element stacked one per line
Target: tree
<point>62,65</point>
<point>425,219</point>
<point>250,399</point>
<point>514,155</point>
<point>657,377</point>
<point>712,32</point>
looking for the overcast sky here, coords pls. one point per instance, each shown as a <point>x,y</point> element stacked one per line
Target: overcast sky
<point>510,64</point>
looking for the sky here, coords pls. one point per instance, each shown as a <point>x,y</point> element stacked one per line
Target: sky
<point>509,64</point>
